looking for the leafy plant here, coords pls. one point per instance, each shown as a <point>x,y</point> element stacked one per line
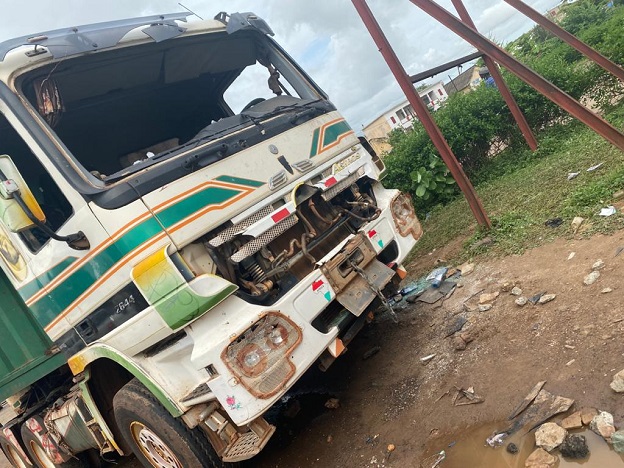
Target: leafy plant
<point>434,179</point>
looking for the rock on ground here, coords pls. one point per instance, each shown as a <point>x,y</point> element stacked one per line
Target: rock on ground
<point>540,458</point>
<point>618,382</point>
<point>591,278</point>
<point>484,307</point>
<point>573,421</point>
<point>466,268</point>
<point>598,265</point>
<point>547,298</point>
<point>574,446</point>
<point>516,291</point>
<point>587,414</point>
<point>487,298</point>
<point>549,436</point>
<point>602,424</point>
<point>521,301</point>
<point>618,441</point>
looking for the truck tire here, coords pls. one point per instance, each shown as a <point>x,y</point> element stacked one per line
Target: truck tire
<point>157,438</point>
<point>37,453</point>
<point>14,457</point>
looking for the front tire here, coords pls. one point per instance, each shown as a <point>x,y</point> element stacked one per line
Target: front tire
<point>158,439</point>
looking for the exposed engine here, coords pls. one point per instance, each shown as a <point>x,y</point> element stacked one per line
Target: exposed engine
<point>267,255</point>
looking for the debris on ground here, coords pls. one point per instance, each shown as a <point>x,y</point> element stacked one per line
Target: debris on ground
<point>330,439</point>
<point>436,277</point>
<point>467,397</point>
<point>554,222</point>
<point>390,447</point>
<point>516,291</point>
<point>456,326</point>
<point>606,290</point>
<point>535,299</point>
<point>521,301</point>
<point>572,175</point>
<point>544,406</point>
<point>598,265</point>
<point>466,268</point>
<point>569,363</point>
<point>574,446</point>
<point>371,352</point>
<point>618,251</point>
<point>549,436</point>
<point>617,439</point>
<point>426,359</point>
<point>576,223</point>
<point>571,256</point>
<point>512,448</point>
<point>488,298</point>
<point>591,278</point>
<point>496,440</point>
<point>458,343</point>
<point>434,460</point>
<point>332,403</point>
<point>547,298</point>
<point>540,458</point>
<point>608,211</point>
<point>593,168</point>
<point>485,242</point>
<point>602,424</point>
<point>618,382</point>
<point>573,421</point>
<point>484,307</point>
<point>527,399</point>
<point>587,415</point>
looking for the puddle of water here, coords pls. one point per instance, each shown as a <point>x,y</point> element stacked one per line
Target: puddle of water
<point>470,451</point>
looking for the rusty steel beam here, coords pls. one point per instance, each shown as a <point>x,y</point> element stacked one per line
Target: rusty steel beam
<point>500,82</point>
<point>445,66</point>
<point>421,111</point>
<point>545,87</point>
<point>572,40</point>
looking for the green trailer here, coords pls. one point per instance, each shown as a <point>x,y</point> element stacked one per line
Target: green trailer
<point>26,352</point>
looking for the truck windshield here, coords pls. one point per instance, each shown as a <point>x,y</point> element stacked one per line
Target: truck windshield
<point>120,110</point>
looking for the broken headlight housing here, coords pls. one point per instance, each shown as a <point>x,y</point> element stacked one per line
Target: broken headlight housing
<point>260,356</point>
<point>404,216</point>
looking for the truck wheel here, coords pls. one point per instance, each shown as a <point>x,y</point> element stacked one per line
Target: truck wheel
<point>37,452</point>
<point>14,457</point>
<point>157,438</point>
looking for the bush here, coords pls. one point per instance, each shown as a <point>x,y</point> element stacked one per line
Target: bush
<point>472,122</point>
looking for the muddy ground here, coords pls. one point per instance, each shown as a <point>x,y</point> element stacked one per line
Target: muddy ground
<point>574,343</point>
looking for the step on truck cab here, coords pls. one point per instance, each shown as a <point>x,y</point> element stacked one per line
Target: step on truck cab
<point>187,224</point>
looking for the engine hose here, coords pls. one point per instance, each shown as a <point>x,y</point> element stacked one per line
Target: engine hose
<point>361,218</point>
<point>316,213</point>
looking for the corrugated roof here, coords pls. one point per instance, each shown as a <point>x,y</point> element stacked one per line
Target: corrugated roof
<point>460,82</point>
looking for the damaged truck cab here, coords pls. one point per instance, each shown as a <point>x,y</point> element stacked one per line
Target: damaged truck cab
<point>187,225</point>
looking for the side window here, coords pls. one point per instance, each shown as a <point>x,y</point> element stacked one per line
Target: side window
<point>53,203</point>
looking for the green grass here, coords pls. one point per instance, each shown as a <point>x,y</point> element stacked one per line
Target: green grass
<point>521,190</point>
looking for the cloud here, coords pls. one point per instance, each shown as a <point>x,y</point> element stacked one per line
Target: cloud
<point>326,37</point>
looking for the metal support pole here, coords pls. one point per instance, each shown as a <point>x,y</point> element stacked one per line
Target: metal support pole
<point>500,82</point>
<point>545,87</point>
<point>564,35</point>
<point>421,110</point>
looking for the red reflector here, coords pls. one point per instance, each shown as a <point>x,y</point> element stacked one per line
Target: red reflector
<point>317,284</point>
<point>281,214</point>
<point>372,233</point>
<point>331,181</point>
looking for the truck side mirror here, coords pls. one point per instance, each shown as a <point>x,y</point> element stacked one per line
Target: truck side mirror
<point>11,213</point>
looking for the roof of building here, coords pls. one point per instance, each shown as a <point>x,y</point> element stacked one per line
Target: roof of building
<point>460,82</point>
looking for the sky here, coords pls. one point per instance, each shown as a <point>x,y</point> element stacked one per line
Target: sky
<point>326,37</point>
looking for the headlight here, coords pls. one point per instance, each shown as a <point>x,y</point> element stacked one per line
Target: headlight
<point>404,216</point>
<point>260,357</point>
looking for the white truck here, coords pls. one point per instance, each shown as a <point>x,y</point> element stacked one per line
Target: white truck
<point>171,267</point>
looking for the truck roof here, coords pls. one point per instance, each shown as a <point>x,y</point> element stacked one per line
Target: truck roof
<point>47,46</point>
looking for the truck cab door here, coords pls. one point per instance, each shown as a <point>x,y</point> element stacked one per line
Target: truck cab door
<point>46,272</point>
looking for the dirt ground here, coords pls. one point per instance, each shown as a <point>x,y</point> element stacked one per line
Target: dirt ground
<point>574,343</point>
